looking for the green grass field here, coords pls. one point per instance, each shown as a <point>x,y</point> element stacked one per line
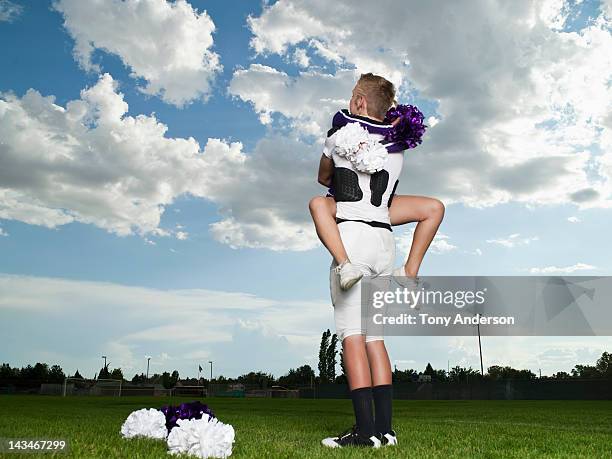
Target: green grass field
<point>293,428</point>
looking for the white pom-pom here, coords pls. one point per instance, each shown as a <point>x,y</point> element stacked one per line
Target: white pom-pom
<point>349,140</point>
<point>149,423</point>
<point>371,158</point>
<point>206,437</point>
<point>363,150</point>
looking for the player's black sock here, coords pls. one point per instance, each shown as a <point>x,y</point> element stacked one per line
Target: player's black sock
<point>383,400</point>
<point>362,404</point>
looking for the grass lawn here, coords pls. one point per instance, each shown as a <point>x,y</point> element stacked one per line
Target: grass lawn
<point>290,428</point>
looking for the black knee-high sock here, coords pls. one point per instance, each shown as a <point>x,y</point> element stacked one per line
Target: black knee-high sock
<point>383,400</point>
<point>362,404</point>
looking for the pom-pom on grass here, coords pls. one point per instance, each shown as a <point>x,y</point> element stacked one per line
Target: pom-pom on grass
<point>187,410</point>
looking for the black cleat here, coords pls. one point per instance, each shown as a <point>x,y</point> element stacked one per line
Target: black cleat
<point>351,437</point>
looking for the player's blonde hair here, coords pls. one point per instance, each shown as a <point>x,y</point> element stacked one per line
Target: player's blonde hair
<point>379,93</point>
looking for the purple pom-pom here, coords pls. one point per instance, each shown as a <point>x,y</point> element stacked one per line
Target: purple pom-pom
<point>410,128</point>
<point>191,410</point>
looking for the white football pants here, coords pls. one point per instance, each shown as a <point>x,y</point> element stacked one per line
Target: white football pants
<point>372,250</point>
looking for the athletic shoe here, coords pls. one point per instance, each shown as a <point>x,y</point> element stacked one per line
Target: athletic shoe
<point>349,274</point>
<point>351,437</point>
<point>408,282</point>
<point>388,439</point>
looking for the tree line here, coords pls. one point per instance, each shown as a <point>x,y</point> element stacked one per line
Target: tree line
<point>330,357</point>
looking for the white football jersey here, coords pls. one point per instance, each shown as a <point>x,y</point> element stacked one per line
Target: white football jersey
<point>359,195</point>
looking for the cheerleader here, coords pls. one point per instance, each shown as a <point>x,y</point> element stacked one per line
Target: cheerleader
<point>397,128</point>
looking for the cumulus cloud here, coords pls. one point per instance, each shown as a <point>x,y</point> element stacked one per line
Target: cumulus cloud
<point>89,162</point>
<point>308,100</point>
<point>265,202</point>
<point>439,246</point>
<point>168,44</point>
<point>300,57</point>
<point>92,163</point>
<point>513,240</point>
<point>9,11</point>
<point>519,105</point>
<point>562,269</point>
<point>206,321</point>
<point>520,102</point>
<point>573,219</point>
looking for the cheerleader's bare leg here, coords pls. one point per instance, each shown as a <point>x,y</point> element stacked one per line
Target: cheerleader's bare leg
<point>323,211</point>
<point>428,212</point>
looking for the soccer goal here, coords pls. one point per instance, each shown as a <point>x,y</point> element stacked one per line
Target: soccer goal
<point>199,391</point>
<point>82,386</point>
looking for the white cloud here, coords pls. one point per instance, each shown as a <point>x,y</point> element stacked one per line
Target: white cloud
<point>172,325</point>
<point>519,102</point>
<point>606,8</point>
<point>515,125</point>
<point>513,240</point>
<point>562,270</point>
<point>438,246</point>
<point>3,232</point>
<point>573,219</point>
<point>183,327</point>
<point>92,163</point>
<point>182,235</point>
<point>168,44</point>
<point>548,353</point>
<point>265,202</point>
<point>9,11</point>
<point>309,100</point>
<point>300,57</point>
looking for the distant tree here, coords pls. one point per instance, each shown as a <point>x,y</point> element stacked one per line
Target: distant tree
<point>404,375</point>
<point>439,375</point>
<point>116,374</point>
<point>460,374</point>
<point>323,355</point>
<point>561,375</point>
<point>259,378</point>
<point>604,365</point>
<point>331,354</point>
<point>342,367</point>
<point>155,379</point>
<point>169,381</point>
<point>301,376</point>
<point>104,373</point>
<point>139,378</point>
<point>585,371</point>
<point>77,374</point>
<point>38,372</point>
<point>496,372</point>
<point>6,371</point>
<point>429,370</point>
<point>341,378</point>
<point>56,375</point>
<point>8,375</point>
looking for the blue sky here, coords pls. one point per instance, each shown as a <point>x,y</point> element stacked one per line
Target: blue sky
<point>251,291</point>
